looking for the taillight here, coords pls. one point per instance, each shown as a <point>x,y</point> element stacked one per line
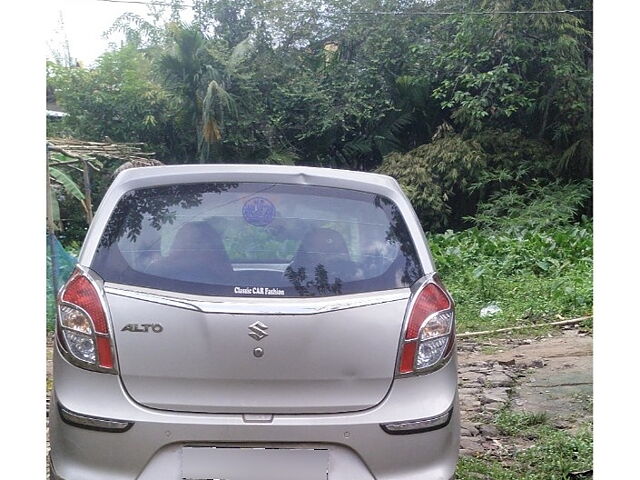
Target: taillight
<point>83,330</point>
<point>430,332</point>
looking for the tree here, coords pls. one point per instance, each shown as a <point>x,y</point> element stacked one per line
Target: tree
<point>471,105</point>
<point>120,99</point>
<point>189,74</point>
<point>531,72</point>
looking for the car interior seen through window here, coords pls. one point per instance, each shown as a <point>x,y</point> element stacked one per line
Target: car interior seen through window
<point>257,239</point>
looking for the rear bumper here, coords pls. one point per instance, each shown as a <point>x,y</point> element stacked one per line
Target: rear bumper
<point>53,475</point>
<point>151,449</point>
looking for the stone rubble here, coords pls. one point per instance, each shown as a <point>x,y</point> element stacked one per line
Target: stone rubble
<point>485,389</point>
<point>487,385</point>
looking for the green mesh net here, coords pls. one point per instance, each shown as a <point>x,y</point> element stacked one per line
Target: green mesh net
<point>60,264</point>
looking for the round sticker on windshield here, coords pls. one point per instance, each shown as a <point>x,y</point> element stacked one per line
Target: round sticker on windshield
<point>258,211</point>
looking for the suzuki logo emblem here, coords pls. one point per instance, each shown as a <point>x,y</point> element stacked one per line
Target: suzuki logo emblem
<point>258,331</point>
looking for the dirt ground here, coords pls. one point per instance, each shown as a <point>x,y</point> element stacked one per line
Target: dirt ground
<point>550,374</point>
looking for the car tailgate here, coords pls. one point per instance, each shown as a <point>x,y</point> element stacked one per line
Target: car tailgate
<point>316,355</point>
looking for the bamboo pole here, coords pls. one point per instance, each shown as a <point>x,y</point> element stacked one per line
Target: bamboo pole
<point>87,191</point>
<point>50,223</point>
<point>573,321</point>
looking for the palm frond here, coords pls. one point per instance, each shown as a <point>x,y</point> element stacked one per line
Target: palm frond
<point>581,149</point>
<point>211,130</point>
<point>358,147</point>
<point>216,101</point>
<point>401,123</point>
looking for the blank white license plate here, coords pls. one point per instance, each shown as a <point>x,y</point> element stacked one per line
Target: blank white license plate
<point>254,463</point>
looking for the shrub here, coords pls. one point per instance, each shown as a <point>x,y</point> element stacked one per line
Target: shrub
<point>450,177</point>
<point>435,172</point>
<point>527,254</point>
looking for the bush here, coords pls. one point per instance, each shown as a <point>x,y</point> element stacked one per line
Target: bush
<point>450,178</point>
<point>501,253</point>
<point>433,173</point>
<point>526,254</point>
<point>531,276</point>
<point>538,207</point>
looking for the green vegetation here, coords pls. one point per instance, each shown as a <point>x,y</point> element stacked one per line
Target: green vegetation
<point>516,423</point>
<point>531,278</point>
<point>459,108</point>
<point>528,255</point>
<point>485,120</point>
<point>554,455</point>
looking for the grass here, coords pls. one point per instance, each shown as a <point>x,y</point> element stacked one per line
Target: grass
<point>513,423</point>
<point>533,276</point>
<point>555,454</point>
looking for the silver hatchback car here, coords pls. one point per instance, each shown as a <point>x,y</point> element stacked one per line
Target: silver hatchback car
<point>246,322</point>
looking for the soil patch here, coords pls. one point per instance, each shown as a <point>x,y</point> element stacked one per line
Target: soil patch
<point>551,375</point>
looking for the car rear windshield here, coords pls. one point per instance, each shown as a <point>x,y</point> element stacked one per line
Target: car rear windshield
<point>257,240</point>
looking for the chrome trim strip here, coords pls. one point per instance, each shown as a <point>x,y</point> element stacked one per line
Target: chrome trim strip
<point>93,423</point>
<point>148,297</point>
<point>249,306</point>
<point>419,425</point>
